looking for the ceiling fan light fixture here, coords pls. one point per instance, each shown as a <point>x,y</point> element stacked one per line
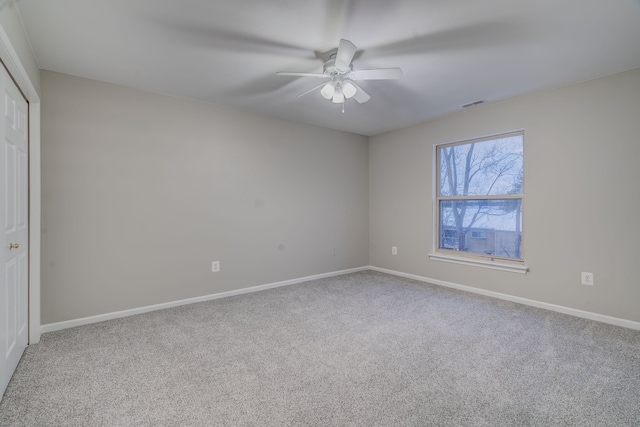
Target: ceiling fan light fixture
<point>348,89</point>
<point>338,97</point>
<point>328,90</point>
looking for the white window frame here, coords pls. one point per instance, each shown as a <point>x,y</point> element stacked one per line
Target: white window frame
<point>470,258</point>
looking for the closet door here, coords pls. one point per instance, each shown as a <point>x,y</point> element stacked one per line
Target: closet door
<point>14,237</point>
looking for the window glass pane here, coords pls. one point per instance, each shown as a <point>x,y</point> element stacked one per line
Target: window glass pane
<point>489,227</point>
<point>489,167</point>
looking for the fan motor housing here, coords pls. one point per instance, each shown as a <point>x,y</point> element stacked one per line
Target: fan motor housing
<point>330,69</point>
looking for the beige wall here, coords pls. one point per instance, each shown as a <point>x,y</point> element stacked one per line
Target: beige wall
<point>582,195</point>
<point>141,192</point>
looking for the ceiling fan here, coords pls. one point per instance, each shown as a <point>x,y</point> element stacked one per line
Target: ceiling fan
<point>342,77</point>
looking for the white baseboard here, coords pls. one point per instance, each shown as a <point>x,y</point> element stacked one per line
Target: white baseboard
<point>558,308</point>
<point>50,327</point>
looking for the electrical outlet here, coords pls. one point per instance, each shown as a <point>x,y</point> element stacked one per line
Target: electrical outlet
<point>587,278</point>
<point>394,250</point>
<point>215,266</point>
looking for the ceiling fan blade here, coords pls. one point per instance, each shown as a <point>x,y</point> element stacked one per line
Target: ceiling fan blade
<point>336,17</point>
<point>378,74</point>
<point>311,90</point>
<point>236,41</point>
<point>287,73</point>
<point>467,37</point>
<point>344,56</point>
<point>361,96</point>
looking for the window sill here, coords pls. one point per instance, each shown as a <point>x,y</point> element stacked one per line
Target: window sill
<point>503,266</point>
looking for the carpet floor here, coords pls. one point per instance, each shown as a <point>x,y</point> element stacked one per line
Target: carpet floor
<point>363,349</point>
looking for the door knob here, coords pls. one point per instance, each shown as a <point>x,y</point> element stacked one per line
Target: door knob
<point>13,246</point>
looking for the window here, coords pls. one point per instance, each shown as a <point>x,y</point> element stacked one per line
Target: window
<point>479,195</point>
<point>479,234</point>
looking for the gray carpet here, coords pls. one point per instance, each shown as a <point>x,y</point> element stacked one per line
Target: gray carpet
<point>365,349</point>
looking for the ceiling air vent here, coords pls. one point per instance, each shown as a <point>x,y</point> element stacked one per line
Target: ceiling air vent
<point>473,104</point>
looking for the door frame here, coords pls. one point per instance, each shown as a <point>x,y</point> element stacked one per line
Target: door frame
<point>19,74</point>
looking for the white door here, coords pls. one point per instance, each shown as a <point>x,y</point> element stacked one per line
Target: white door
<point>14,259</point>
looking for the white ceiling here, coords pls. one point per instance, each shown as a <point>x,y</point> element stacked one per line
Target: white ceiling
<point>227,51</point>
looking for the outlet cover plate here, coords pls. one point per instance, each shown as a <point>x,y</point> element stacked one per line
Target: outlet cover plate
<point>587,278</point>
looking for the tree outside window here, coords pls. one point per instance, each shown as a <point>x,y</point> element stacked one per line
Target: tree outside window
<point>479,196</point>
